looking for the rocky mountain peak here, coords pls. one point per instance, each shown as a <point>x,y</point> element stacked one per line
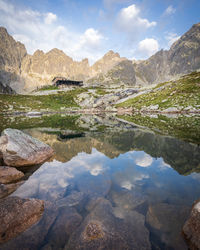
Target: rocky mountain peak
<point>38,53</point>
<point>111,54</point>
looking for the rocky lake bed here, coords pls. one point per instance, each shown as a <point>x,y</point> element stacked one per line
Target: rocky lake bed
<point>98,181</point>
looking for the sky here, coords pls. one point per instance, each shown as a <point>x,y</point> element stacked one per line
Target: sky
<point>136,29</point>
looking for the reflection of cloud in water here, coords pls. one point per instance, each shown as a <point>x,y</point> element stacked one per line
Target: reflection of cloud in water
<point>163,165</point>
<point>141,158</point>
<point>127,185</point>
<point>56,176</point>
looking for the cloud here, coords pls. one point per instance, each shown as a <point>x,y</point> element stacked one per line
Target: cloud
<point>171,38</point>
<point>129,20</point>
<point>170,10</point>
<point>148,47</point>
<point>50,18</point>
<point>143,159</point>
<point>92,38</point>
<point>38,30</point>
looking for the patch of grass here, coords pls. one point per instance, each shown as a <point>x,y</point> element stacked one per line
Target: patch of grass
<point>48,87</point>
<point>24,103</point>
<point>100,91</point>
<point>47,121</point>
<point>181,93</point>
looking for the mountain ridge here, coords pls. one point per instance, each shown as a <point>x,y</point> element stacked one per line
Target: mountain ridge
<point>23,72</point>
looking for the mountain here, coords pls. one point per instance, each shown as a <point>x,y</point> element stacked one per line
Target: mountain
<point>11,56</point>
<point>21,71</point>
<point>182,58</point>
<point>40,68</point>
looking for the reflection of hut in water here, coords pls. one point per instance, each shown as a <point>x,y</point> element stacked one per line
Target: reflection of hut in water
<point>64,82</point>
<point>65,137</point>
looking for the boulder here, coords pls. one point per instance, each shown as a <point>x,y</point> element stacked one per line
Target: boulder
<point>102,230</point>
<point>16,215</point>
<point>191,228</point>
<point>127,200</point>
<point>166,222</point>
<point>75,199</point>
<point>65,224</point>
<point>9,174</point>
<point>20,149</point>
<point>33,238</point>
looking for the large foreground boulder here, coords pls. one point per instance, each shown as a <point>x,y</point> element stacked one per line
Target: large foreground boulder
<point>20,149</point>
<point>16,215</point>
<point>191,228</point>
<point>9,174</point>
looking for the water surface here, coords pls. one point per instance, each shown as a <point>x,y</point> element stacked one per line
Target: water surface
<point>147,180</point>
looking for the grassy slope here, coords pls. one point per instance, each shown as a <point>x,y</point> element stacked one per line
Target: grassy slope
<point>181,93</point>
<point>45,102</point>
<point>52,121</point>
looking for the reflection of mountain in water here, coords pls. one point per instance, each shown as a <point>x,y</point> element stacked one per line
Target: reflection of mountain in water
<point>67,149</point>
<point>182,156</point>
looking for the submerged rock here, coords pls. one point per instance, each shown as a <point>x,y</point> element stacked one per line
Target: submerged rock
<point>33,238</point>
<point>166,222</point>
<point>20,149</point>
<point>65,224</point>
<point>16,215</point>
<point>102,230</point>
<point>75,199</point>
<point>191,228</point>
<point>128,200</point>
<point>9,174</point>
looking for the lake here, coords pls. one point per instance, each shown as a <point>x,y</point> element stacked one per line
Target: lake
<point>112,184</point>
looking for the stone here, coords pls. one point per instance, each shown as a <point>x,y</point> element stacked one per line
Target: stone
<point>171,109</point>
<point>6,189</point>
<point>102,230</point>
<point>65,224</point>
<point>166,222</point>
<point>154,107</point>
<point>16,215</point>
<point>9,174</point>
<point>75,199</point>
<point>33,238</point>
<point>20,149</point>
<point>127,200</point>
<point>191,228</point>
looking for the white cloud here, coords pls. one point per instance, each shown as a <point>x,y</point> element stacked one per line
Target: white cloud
<point>91,37</point>
<point>148,47</point>
<point>129,20</point>
<point>170,10</point>
<point>171,38</point>
<point>42,31</point>
<point>50,18</point>
<point>143,160</point>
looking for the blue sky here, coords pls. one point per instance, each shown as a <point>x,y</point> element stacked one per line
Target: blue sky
<point>135,29</point>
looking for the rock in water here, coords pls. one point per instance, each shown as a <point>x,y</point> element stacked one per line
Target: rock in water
<point>102,230</point>
<point>9,174</point>
<point>17,214</point>
<point>20,149</point>
<point>191,228</point>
